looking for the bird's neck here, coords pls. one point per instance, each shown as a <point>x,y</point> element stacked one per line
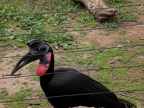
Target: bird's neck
<point>51,67</point>
<point>50,71</point>
<point>45,79</point>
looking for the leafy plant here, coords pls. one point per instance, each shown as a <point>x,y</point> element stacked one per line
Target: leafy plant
<point>49,28</point>
<point>87,19</point>
<point>127,17</point>
<point>34,26</point>
<point>110,25</point>
<point>119,2</point>
<point>58,19</point>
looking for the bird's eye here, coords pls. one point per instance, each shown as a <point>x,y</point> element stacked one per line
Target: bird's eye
<point>44,49</point>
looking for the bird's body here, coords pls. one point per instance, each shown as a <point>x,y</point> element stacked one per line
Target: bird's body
<point>69,88</point>
<point>66,87</point>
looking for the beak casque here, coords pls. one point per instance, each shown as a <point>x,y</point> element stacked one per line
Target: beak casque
<point>32,55</point>
<point>26,59</point>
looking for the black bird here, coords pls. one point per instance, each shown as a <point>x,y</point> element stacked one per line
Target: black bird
<point>66,87</point>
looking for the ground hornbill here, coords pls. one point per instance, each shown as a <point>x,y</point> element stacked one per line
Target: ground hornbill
<point>66,87</point>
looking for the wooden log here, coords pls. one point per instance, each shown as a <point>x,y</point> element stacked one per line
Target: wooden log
<point>99,9</point>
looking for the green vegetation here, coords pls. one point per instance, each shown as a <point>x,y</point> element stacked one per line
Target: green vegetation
<point>32,68</point>
<point>46,20</point>
<point>24,20</point>
<point>110,25</point>
<point>19,97</point>
<point>3,93</point>
<point>142,12</point>
<point>127,17</point>
<point>46,27</point>
<point>122,32</point>
<point>120,2</point>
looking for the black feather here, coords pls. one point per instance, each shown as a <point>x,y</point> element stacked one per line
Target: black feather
<point>62,89</point>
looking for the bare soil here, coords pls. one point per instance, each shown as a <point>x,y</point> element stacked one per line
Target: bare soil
<point>104,38</point>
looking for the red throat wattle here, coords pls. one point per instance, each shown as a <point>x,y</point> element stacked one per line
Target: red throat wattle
<point>41,69</point>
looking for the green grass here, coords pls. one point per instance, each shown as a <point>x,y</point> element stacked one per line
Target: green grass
<point>3,93</point>
<point>19,96</point>
<point>113,2</point>
<point>42,26</point>
<point>110,25</point>
<point>126,58</point>
<point>104,78</point>
<point>122,32</point>
<point>141,12</point>
<point>50,29</point>
<point>86,17</point>
<point>31,68</point>
<point>115,78</point>
<point>127,17</point>
<point>36,78</point>
<point>35,25</point>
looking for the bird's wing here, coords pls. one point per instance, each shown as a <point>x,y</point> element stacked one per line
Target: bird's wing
<point>73,82</point>
<point>71,88</point>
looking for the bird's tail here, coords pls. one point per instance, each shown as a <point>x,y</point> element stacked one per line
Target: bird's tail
<point>126,104</point>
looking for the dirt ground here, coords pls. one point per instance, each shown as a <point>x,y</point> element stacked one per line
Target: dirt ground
<point>105,39</point>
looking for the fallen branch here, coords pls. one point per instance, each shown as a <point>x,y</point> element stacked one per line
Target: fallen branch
<point>99,9</point>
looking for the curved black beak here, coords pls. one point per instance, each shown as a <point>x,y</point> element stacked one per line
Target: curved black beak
<point>26,59</point>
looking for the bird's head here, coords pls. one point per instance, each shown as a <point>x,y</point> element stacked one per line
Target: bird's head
<point>37,50</point>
